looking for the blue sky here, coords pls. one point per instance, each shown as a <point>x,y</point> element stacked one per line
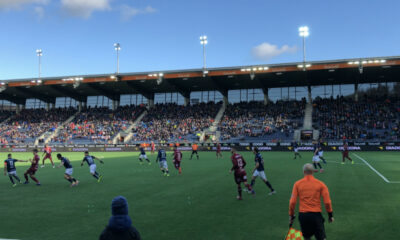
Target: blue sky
<point>77,36</point>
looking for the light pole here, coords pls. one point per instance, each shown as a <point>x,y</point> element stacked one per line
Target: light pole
<point>204,41</point>
<point>39,53</point>
<point>303,32</point>
<point>117,47</point>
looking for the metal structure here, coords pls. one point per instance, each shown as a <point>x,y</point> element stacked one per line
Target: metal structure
<point>322,73</point>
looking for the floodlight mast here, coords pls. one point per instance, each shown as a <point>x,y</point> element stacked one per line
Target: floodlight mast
<point>117,48</point>
<point>304,32</point>
<point>204,42</point>
<point>39,53</point>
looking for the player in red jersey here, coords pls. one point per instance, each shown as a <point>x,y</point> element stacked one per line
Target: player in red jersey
<point>219,155</point>
<point>153,147</point>
<point>240,173</point>
<point>33,168</point>
<point>345,153</point>
<point>177,159</point>
<point>47,155</point>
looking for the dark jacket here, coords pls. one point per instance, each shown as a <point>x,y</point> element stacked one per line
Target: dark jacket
<point>120,225</point>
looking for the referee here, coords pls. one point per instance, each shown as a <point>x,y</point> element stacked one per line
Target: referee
<point>309,190</point>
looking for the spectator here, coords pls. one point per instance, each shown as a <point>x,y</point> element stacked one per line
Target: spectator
<point>120,224</point>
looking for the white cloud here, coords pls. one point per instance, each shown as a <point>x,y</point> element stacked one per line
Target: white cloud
<point>84,8</point>
<point>265,51</point>
<point>128,12</point>
<point>39,11</point>
<point>16,4</point>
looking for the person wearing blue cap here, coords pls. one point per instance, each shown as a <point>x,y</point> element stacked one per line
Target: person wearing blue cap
<point>120,224</point>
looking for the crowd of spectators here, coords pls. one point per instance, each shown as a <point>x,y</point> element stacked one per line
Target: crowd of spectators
<point>172,122</point>
<point>30,124</point>
<point>98,124</point>
<point>255,119</point>
<point>371,118</point>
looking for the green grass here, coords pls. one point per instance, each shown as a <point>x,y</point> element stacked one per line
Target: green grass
<point>200,204</point>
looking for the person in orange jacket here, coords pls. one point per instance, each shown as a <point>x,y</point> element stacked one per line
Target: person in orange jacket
<point>309,191</point>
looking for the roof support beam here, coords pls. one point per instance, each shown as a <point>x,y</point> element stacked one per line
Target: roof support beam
<point>178,88</point>
<point>218,87</point>
<point>31,94</point>
<point>67,93</point>
<point>101,91</point>
<point>15,100</point>
<point>141,90</point>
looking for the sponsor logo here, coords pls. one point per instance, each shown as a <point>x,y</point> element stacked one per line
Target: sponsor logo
<point>113,149</point>
<point>393,148</point>
<point>359,143</point>
<point>258,144</point>
<point>265,149</point>
<point>19,149</point>
<point>80,149</point>
<point>353,148</point>
<point>271,144</point>
<point>285,144</point>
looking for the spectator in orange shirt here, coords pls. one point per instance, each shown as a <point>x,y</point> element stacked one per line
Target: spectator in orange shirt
<point>309,191</point>
<point>194,151</point>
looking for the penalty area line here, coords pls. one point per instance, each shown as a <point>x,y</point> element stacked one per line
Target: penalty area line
<point>373,169</point>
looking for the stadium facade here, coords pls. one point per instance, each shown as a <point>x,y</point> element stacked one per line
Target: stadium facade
<point>216,83</point>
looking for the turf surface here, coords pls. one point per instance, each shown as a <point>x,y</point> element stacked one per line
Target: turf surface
<point>200,204</point>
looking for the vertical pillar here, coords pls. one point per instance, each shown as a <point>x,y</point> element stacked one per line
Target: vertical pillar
<point>187,101</point>
<point>115,104</point>
<point>80,106</point>
<point>356,92</point>
<point>309,94</point>
<point>266,96</point>
<point>150,100</point>
<point>225,100</point>
<point>47,106</point>
<point>18,108</point>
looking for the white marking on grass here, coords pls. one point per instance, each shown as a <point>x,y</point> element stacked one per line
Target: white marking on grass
<point>373,169</point>
<point>341,162</point>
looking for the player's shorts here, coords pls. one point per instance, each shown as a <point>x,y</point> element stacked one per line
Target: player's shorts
<point>321,153</point>
<point>194,152</point>
<point>143,156</point>
<point>163,164</point>
<point>240,177</point>
<point>312,224</point>
<point>218,151</point>
<point>47,156</point>
<point>260,174</point>
<point>296,150</point>
<point>12,173</point>
<point>345,154</point>
<point>92,168</point>
<point>69,171</point>
<point>31,171</point>
<point>316,159</point>
<point>177,164</point>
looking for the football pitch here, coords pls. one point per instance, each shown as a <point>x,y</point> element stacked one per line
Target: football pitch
<point>201,203</point>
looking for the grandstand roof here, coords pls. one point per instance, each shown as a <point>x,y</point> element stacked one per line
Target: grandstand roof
<point>346,71</point>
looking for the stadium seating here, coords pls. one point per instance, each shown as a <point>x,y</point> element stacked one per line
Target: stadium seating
<point>29,124</point>
<point>172,122</point>
<point>254,121</point>
<point>98,125</point>
<point>370,119</point>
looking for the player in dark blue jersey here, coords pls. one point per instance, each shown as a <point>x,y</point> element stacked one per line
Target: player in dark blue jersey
<point>162,159</point>
<point>321,151</point>
<point>296,150</point>
<point>143,156</point>
<point>259,171</point>
<point>11,170</point>
<point>92,166</point>
<point>68,170</point>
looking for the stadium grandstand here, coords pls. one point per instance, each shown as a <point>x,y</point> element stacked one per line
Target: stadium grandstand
<point>268,103</point>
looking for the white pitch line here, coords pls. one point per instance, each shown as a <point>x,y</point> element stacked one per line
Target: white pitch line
<point>336,163</point>
<point>373,169</point>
